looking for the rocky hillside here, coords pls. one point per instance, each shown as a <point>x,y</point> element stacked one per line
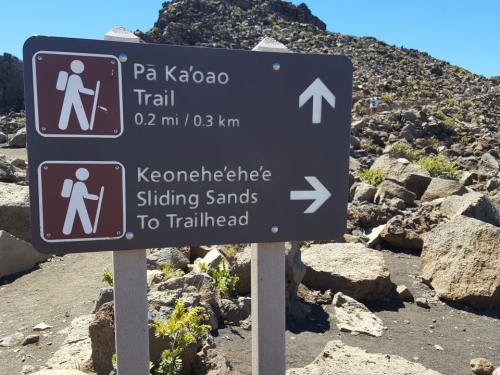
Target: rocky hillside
<point>430,142</point>
<point>11,84</point>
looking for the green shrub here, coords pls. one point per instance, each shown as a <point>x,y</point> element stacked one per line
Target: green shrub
<point>170,272</point>
<point>107,277</point>
<point>184,327</point>
<point>449,123</point>
<point>464,140</point>
<point>363,111</point>
<point>21,122</point>
<point>405,150</point>
<point>223,280</point>
<point>438,167</point>
<point>372,177</point>
<point>467,103</point>
<point>386,98</point>
<point>449,101</point>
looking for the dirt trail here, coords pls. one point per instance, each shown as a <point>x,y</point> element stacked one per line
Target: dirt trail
<point>55,293</point>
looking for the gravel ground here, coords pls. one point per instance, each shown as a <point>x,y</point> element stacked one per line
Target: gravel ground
<point>462,332</point>
<point>64,288</point>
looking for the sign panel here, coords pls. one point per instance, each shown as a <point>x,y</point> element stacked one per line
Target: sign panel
<point>137,145</point>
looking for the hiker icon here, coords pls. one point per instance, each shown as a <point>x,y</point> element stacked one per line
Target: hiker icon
<point>73,87</point>
<point>77,193</point>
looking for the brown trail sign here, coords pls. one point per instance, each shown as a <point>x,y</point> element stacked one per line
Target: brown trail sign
<point>219,146</point>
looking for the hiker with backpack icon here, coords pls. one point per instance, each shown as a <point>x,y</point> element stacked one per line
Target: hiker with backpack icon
<point>73,87</point>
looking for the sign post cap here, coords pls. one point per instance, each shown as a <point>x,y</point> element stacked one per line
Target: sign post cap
<point>270,45</point>
<point>121,34</point>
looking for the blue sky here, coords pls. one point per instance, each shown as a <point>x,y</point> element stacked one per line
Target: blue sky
<point>463,32</point>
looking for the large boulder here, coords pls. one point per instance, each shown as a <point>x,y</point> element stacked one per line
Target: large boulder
<point>168,255</point>
<point>402,171</point>
<point>19,139</point>
<point>460,260</point>
<point>442,188</point>
<point>474,205</point>
<point>17,255</point>
<point>352,269</point>
<point>389,189</point>
<point>15,210</point>
<point>340,359</point>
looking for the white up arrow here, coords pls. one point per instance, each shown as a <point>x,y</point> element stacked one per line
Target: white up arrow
<point>320,194</point>
<point>317,91</point>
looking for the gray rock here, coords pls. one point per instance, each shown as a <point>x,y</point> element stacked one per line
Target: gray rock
<point>365,192</point>
<point>19,139</point>
<point>340,359</point>
<point>398,234</point>
<point>242,268</point>
<point>213,258</point>
<point>105,295</point>
<point>41,327</point>
<point>7,171</point>
<point>15,210</point>
<point>17,255</point>
<point>442,188</point>
<point>488,163</point>
<point>12,340</point>
<point>353,316</point>
<point>352,269</point>
<point>76,348</point>
<point>460,260</point>
<point>481,366</point>
<point>31,339</point>
<point>491,184</point>
<point>389,189</point>
<point>167,255</point>
<point>411,176</point>
<point>422,302</point>
<point>235,311</point>
<point>474,205</point>
<point>295,270</point>
<point>3,138</point>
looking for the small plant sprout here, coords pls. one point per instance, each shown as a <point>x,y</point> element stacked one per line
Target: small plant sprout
<point>107,277</point>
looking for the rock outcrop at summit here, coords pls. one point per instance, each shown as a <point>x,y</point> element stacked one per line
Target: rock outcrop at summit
<point>11,84</point>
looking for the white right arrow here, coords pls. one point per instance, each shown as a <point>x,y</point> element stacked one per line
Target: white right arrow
<point>317,91</point>
<point>320,194</point>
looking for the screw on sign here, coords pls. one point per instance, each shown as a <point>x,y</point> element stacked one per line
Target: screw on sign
<point>81,201</point>
<point>77,95</point>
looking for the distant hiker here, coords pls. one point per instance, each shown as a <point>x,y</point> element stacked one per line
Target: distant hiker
<point>484,90</point>
<point>469,91</point>
<point>373,105</point>
<point>493,89</point>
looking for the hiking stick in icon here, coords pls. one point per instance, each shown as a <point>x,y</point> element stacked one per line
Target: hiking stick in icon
<point>77,193</point>
<point>73,87</point>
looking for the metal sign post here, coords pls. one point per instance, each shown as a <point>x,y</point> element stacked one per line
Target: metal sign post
<point>268,289</point>
<point>130,289</point>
